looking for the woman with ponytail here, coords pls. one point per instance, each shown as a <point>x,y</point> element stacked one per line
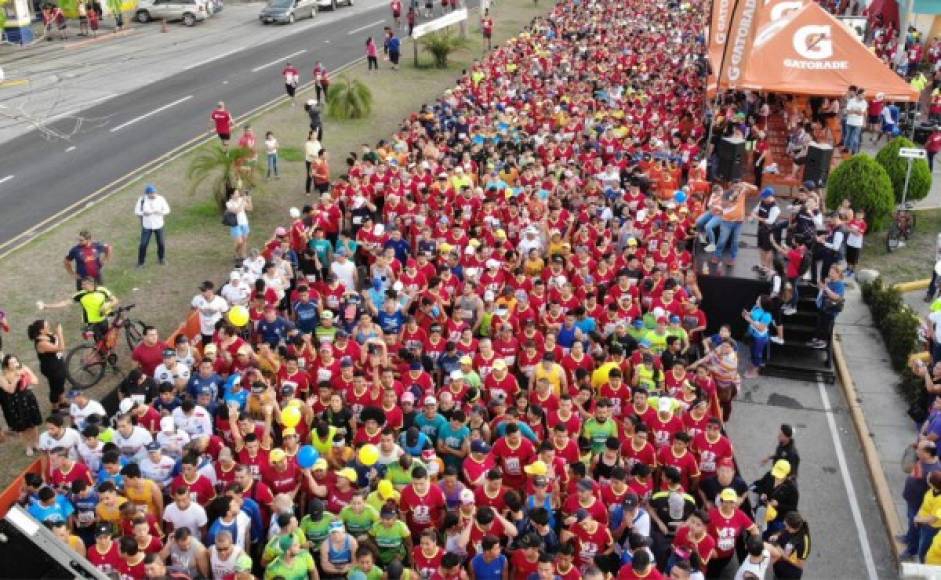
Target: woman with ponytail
<point>791,547</point>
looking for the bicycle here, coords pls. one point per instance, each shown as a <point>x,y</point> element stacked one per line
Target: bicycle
<point>86,363</point>
<point>902,228</point>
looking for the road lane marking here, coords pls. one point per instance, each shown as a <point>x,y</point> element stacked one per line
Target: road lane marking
<point>362,28</point>
<point>152,113</point>
<point>70,149</point>
<point>282,59</point>
<point>73,112</point>
<point>214,59</point>
<point>848,484</point>
<point>5,179</point>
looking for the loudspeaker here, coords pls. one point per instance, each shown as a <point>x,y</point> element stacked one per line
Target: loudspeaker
<point>731,158</point>
<point>31,551</point>
<point>922,132</point>
<point>817,167</point>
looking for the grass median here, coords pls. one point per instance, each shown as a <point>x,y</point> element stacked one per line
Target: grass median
<point>198,245</point>
<point>913,262</point>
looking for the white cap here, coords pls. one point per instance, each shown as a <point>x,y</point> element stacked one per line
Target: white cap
<point>488,296</point>
<point>429,400</point>
<point>665,404</point>
<point>167,425</point>
<point>456,375</point>
<point>467,496</point>
<point>294,212</point>
<point>235,275</point>
<point>379,229</point>
<point>398,286</point>
<point>491,263</point>
<point>126,405</point>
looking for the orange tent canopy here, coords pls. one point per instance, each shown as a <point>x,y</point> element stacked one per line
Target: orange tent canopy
<point>810,52</point>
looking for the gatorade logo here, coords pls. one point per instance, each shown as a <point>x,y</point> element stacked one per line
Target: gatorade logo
<point>782,9</point>
<point>814,42</point>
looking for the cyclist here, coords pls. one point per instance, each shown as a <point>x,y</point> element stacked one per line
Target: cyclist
<point>96,301</point>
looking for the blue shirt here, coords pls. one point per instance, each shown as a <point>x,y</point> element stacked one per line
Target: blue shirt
<point>390,323</point>
<point>759,316</point>
<point>430,427</point>
<point>275,331</point>
<point>219,526</point>
<point>424,442</point>
<point>198,382</point>
<point>240,398</point>
<point>400,247</point>
<point>394,44</point>
<point>60,510</point>
<point>484,570</point>
<point>306,316</point>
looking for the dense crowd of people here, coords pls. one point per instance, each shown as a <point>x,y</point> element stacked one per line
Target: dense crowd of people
<point>480,353</point>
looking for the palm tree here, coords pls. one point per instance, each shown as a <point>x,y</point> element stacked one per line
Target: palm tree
<point>349,99</point>
<point>227,168</point>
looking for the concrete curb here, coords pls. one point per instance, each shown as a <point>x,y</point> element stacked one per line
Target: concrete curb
<point>904,287</point>
<point>880,484</point>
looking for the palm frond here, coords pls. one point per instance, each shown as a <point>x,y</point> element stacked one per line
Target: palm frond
<point>349,99</point>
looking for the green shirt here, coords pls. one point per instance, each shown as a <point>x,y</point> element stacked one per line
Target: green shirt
<point>298,569</point>
<point>390,540</point>
<point>599,433</point>
<point>473,379</point>
<point>317,531</point>
<point>273,549</point>
<point>323,333</point>
<point>375,573</point>
<point>658,342</point>
<point>399,476</point>
<point>358,524</point>
<point>93,304</point>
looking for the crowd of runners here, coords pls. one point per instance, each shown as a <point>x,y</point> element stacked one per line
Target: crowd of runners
<point>480,353</point>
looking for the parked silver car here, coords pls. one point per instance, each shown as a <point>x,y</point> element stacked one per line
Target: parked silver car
<point>188,11</point>
<point>287,11</point>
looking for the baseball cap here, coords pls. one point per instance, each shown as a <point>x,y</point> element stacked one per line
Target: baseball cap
<point>456,375</point>
<point>167,425</point>
<point>466,360</point>
<point>665,404</point>
<point>767,192</point>
<point>150,188</point>
<point>277,455</point>
<point>326,315</point>
<point>467,496</point>
<point>103,530</point>
<point>320,464</point>
<point>631,500</point>
<point>537,467</point>
<point>580,513</point>
<point>726,462</point>
<point>585,485</point>
<point>499,364</point>
<point>387,511</point>
<point>479,446</point>
<point>429,400</point>
<point>728,494</point>
<point>407,398</point>
<point>349,473</point>
<point>153,446</point>
<point>74,393</point>
<point>126,405</point>
<point>540,481</point>
<point>346,362</point>
<point>781,469</point>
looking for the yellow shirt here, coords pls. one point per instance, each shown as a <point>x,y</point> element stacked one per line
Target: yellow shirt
<point>554,375</point>
<point>933,557</point>
<point>931,506</point>
<point>111,515</point>
<point>144,495</point>
<point>599,376</point>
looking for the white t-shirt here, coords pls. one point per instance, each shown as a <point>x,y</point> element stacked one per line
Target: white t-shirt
<point>70,440</point>
<point>133,445</point>
<point>236,295</point>
<point>79,414</point>
<point>345,273</point>
<point>173,443</point>
<point>193,518</point>
<point>91,457</point>
<point>160,472</point>
<point>210,312</point>
<point>758,569</point>
<point>164,375</point>
<point>197,423</point>
<point>856,110</point>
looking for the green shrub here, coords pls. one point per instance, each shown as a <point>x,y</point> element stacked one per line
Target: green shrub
<point>897,323</point>
<point>440,45</point>
<point>896,167</point>
<point>867,185</point>
<point>348,99</point>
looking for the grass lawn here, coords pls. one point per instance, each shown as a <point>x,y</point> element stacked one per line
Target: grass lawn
<point>198,246</point>
<point>915,260</point>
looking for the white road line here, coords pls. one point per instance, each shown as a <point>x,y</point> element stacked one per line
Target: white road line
<point>87,104</point>
<point>213,59</point>
<point>848,484</point>
<point>5,179</point>
<point>152,113</point>
<point>282,59</point>
<point>70,149</point>
<point>362,28</point>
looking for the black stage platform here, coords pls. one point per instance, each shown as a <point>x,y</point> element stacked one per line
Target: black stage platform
<point>726,291</point>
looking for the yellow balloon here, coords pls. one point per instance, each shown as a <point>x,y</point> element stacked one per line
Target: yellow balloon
<point>291,416</point>
<point>368,454</point>
<point>238,316</point>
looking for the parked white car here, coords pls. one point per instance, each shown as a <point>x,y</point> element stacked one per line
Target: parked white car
<point>188,11</point>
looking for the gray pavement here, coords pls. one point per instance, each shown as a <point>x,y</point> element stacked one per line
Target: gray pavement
<point>839,535</point>
<point>885,410</point>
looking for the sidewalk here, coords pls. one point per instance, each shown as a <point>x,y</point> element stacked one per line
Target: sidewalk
<point>884,409</point>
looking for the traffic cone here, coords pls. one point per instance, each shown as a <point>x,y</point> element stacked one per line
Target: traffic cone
<point>163,26</point>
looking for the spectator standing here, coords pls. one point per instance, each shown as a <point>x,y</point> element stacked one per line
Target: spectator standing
<point>856,109</point>
<point>151,208</point>
<point>372,55</point>
<point>240,204</point>
<point>395,46</point>
<point>87,259</point>
<point>486,29</point>
<point>312,149</point>
<point>933,146</point>
<point>271,152</point>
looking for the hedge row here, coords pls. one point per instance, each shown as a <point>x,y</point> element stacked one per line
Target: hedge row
<point>898,325</point>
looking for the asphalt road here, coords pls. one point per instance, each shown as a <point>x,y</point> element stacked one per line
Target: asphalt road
<point>836,497</point>
<point>40,177</point>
